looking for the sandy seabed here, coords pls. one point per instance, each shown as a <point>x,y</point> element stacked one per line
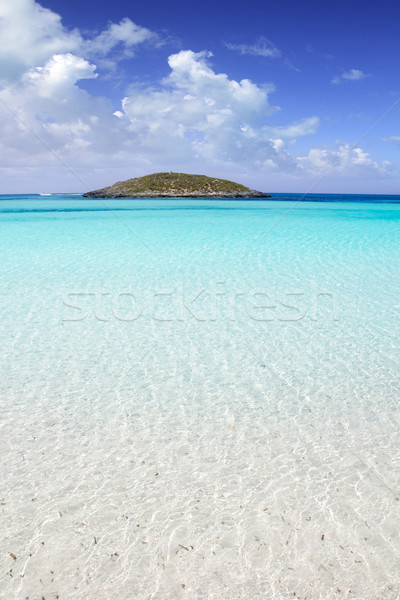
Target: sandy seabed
<point>213,454</point>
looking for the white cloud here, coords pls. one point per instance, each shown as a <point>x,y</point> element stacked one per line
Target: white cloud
<point>195,119</point>
<point>58,75</point>
<point>354,75</point>
<point>263,47</point>
<point>392,138</point>
<point>299,129</point>
<point>30,35</point>
<point>351,75</point>
<point>342,159</point>
<point>195,116</point>
<point>278,144</point>
<point>125,33</point>
<point>199,111</point>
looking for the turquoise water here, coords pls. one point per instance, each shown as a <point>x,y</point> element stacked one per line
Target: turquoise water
<point>200,398</point>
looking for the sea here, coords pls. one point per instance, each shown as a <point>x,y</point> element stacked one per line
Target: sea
<point>200,398</point>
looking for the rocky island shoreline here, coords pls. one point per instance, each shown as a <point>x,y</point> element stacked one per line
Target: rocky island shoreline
<point>176,185</point>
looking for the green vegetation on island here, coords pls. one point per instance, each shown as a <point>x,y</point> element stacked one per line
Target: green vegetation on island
<point>176,185</point>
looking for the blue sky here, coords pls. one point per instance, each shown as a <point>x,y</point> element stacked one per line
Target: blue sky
<point>285,97</point>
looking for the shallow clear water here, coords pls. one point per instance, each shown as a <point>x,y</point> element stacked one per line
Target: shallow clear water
<point>199,399</point>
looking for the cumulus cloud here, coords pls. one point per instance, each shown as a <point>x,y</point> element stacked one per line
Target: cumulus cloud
<point>194,115</point>
<point>58,75</point>
<point>351,75</point>
<point>262,47</point>
<point>199,111</point>
<point>344,159</point>
<point>31,34</point>
<point>125,33</point>
<point>194,119</point>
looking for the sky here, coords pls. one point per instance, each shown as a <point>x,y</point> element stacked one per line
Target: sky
<point>281,96</point>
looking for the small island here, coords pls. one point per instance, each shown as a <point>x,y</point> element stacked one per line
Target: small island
<point>176,185</point>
